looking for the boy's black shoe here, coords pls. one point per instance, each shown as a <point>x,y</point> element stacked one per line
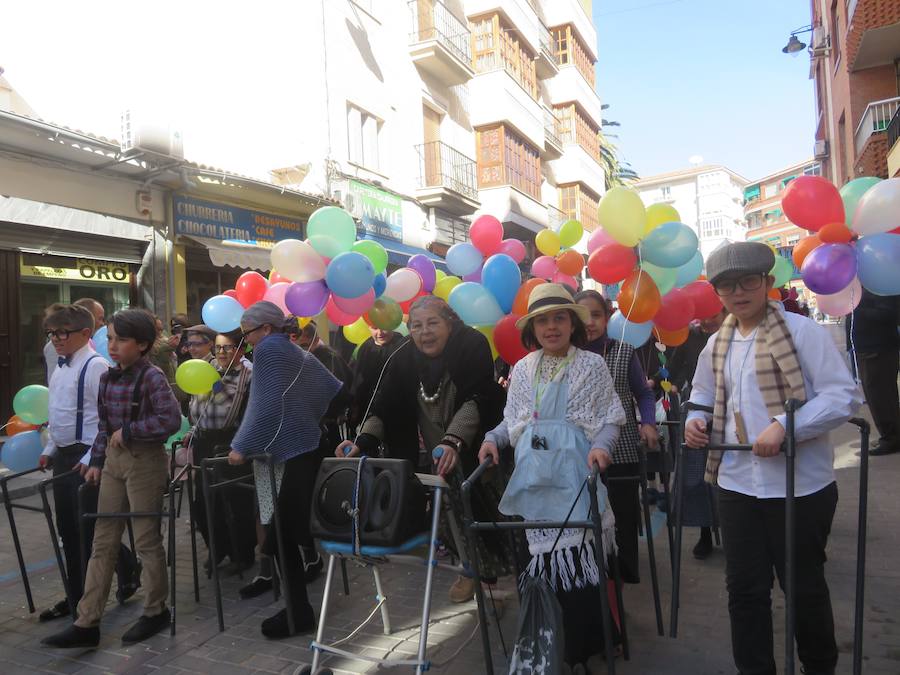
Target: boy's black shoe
<point>276,627</point>
<point>255,588</point>
<point>74,637</point>
<point>147,626</point>
<point>59,610</point>
<point>880,449</point>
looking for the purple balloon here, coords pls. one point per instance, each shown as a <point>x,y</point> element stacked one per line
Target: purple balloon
<point>829,268</point>
<point>423,265</point>
<point>306,298</point>
<point>474,276</point>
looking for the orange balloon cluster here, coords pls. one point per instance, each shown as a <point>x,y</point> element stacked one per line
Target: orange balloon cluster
<point>639,298</point>
<point>671,338</point>
<point>520,304</point>
<point>16,425</point>
<point>570,262</point>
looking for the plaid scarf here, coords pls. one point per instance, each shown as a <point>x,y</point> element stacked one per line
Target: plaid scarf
<point>778,373</point>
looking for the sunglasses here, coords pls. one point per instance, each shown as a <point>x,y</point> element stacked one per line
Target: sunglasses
<point>751,282</point>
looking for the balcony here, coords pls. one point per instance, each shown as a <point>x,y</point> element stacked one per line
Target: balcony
<point>893,143</point>
<point>553,143</point>
<point>871,139</point>
<point>561,12</point>
<point>576,165</point>
<point>447,178</point>
<point>873,33</point>
<point>547,63</point>
<point>521,16</point>
<point>496,96</point>
<point>555,217</point>
<point>439,43</point>
<point>511,205</point>
<point>569,86</point>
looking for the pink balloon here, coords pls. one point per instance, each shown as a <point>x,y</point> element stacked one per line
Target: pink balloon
<point>337,316</point>
<point>356,306</point>
<point>544,267</point>
<point>598,238</point>
<point>514,248</point>
<point>560,278</point>
<point>403,285</point>
<point>275,295</point>
<point>487,234</point>
<point>843,302</point>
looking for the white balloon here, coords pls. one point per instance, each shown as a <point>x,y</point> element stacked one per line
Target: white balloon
<point>298,261</point>
<point>403,285</point>
<point>843,302</point>
<point>878,209</point>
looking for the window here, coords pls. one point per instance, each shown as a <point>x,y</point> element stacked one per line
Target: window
<point>813,170</point>
<point>363,138</point>
<point>712,227</point>
<point>505,158</point>
<point>575,127</point>
<point>773,189</point>
<point>577,202</point>
<point>835,24</point>
<point>793,239</point>
<point>450,230</point>
<point>665,193</point>
<point>496,45</point>
<point>569,50</point>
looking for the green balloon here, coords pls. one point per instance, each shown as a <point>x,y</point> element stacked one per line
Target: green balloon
<point>334,223</point>
<point>31,404</point>
<point>852,192</point>
<point>178,435</point>
<point>196,376</point>
<point>386,314</point>
<point>374,252</point>
<point>782,270</point>
<point>663,277</point>
<point>570,233</point>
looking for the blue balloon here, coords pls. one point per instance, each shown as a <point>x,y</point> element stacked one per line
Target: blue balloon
<point>22,451</point>
<point>878,258</point>
<point>379,284</point>
<point>464,259</point>
<point>670,245</point>
<point>475,305</point>
<point>689,272</point>
<point>350,275</point>
<point>635,334</point>
<point>502,277</point>
<point>101,343</point>
<point>222,313</point>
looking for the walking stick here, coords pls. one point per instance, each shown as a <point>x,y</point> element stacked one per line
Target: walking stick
<point>859,607</point>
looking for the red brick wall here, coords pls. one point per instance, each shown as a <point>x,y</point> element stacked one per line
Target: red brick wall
<point>869,14</point>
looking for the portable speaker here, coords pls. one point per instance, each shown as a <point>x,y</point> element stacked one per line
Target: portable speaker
<point>392,503</point>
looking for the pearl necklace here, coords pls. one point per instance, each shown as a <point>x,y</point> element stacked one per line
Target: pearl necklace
<point>425,397</point>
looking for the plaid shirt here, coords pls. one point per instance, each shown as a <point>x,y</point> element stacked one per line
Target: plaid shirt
<point>158,416</point>
<point>222,409</point>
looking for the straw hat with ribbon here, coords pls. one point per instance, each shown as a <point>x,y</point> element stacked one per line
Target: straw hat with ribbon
<point>550,298</point>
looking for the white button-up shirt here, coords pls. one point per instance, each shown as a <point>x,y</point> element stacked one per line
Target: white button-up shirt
<point>64,402</point>
<point>832,398</point>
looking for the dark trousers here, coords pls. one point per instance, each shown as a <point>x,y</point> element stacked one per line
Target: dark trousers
<point>878,373</point>
<point>754,536</point>
<point>65,501</point>
<point>623,498</point>
<point>294,504</point>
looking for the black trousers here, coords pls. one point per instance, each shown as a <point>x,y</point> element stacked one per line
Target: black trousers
<point>753,532</point>
<point>878,373</point>
<point>295,505</point>
<point>65,501</point>
<point>623,497</point>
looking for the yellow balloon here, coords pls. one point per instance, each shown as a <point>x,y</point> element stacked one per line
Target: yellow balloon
<point>488,332</point>
<point>547,242</point>
<point>303,321</point>
<point>439,274</point>
<point>570,233</point>
<point>357,332</point>
<point>443,287</point>
<point>622,215</point>
<point>196,376</point>
<point>657,214</point>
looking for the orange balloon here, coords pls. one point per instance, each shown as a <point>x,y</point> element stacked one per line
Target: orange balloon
<point>671,338</point>
<point>570,262</point>
<point>835,233</point>
<point>15,425</point>
<point>639,299</point>
<point>520,304</point>
<point>775,294</point>
<point>803,248</point>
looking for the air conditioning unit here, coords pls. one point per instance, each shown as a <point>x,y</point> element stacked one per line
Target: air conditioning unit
<point>820,39</point>
<point>353,205</point>
<point>821,149</point>
<point>143,135</point>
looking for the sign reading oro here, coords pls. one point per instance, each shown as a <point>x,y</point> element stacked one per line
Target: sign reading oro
<point>82,270</point>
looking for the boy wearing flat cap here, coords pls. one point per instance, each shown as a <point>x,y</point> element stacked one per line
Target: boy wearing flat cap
<point>760,357</point>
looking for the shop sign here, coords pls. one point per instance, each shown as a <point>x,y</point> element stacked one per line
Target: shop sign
<point>381,212</point>
<point>222,222</point>
<point>81,270</point>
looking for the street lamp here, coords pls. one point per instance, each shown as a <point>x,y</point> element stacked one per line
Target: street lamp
<point>794,46</point>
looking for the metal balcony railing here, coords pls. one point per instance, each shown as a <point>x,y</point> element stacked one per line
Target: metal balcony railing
<point>555,217</point>
<point>893,130</point>
<point>551,128</point>
<point>437,22</point>
<point>443,166</point>
<point>547,45</point>
<point>875,119</point>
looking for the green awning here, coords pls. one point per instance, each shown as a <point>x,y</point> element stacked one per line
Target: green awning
<point>751,192</point>
<point>787,180</point>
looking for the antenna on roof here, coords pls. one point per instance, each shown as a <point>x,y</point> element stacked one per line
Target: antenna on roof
<point>695,160</point>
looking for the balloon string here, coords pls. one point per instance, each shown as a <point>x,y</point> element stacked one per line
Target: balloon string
<point>628,314</point>
<point>4,426</point>
<point>852,341</point>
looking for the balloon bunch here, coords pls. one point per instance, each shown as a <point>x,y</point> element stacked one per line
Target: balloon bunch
<point>560,263</point>
<point>23,450</point>
<point>854,242</point>
<point>656,258</point>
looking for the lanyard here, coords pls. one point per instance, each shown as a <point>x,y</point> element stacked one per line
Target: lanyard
<point>539,389</point>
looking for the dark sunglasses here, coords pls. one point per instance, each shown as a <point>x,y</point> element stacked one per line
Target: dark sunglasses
<point>751,282</point>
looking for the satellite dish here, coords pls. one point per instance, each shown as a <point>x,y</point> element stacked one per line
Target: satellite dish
<point>695,160</point>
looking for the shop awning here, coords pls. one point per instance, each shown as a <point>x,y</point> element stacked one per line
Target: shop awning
<point>399,253</point>
<point>235,254</point>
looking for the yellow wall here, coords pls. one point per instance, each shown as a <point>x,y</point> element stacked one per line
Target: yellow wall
<point>179,269</point>
<point>587,7</point>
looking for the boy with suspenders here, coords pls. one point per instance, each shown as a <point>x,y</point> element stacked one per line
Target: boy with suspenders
<point>74,387</point>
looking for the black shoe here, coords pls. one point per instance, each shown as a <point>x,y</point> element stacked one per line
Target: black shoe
<point>74,637</point>
<point>276,627</point>
<point>255,588</point>
<point>237,567</point>
<point>312,570</point>
<point>130,587</point>
<point>881,449</point>
<point>147,626</point>
<point>703,548</point>
<point>59,610</point>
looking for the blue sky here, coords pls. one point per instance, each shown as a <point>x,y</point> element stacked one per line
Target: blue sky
<point>708,78</point>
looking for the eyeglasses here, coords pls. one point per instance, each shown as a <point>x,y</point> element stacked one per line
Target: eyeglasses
<point>196,344</point>
<point>430,326</point>
<point>60,334</point>
<point>245,333</point>
<point>225,349</point>
<point>751,282</point>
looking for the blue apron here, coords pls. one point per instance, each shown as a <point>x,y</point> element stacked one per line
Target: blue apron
<point>545,480</point>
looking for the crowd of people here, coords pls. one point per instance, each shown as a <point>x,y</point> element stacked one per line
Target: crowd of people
<point>579,399</point>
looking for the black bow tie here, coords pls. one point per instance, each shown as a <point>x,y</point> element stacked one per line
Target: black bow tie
<point>63,361</point>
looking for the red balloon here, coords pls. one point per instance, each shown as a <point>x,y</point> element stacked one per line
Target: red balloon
<point>231,293</point>
<point>275,278</point>
<point>610,263</point>
<point>508,339</point>
<point>251,287</point>
<point>706,302</point>
<point>337,316</point>
<point>406,305</point>
<point>487,234</point>
<point>676,312</point>
<point>812,202</point>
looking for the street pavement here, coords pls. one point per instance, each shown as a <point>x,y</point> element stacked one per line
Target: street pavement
<point>702,646</point>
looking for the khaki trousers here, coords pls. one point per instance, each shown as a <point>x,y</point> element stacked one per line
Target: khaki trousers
<point>132,480</point>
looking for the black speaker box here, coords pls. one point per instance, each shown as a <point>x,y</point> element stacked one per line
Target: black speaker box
<point>392,502</point>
